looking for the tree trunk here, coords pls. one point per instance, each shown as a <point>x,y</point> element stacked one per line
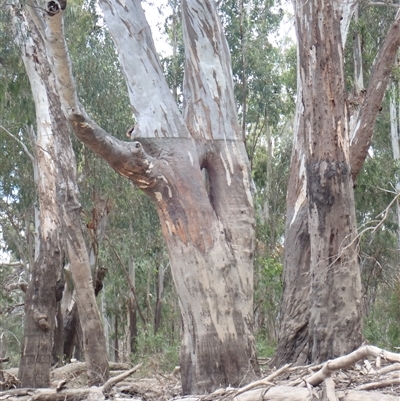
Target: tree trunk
<point>293,339</point>
<point>40,315</point>
<point>335,293</point>
<point>132,308</point>
<point>96,228</point>
<point>105,323</point>
<point>40,299</point>
<point>71,330</point>
<point>58,346</point>
<point>209,234</point>
<point>132,324</point>
<point>89,315</point>
<point>355,99</point>
<point>159,295</point>
<point>61,193</point>
<point>320,269</point>
<point>116,343</point>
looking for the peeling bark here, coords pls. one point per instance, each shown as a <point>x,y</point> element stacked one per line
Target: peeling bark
<point>319,146</point>
<point>335,293</point>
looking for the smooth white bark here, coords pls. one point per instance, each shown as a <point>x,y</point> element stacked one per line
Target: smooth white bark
<point>152,101</point>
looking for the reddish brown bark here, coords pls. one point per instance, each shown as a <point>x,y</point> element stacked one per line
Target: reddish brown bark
<point>314,289</point>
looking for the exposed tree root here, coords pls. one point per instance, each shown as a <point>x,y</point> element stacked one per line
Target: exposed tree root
<point>367,374</point>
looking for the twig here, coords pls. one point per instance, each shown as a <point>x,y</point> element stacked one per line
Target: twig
<point>375,385</point>
<point>384,213</point>
<point>388,369</point>
<point>19,141</point>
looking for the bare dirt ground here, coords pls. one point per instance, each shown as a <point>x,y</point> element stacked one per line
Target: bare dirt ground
<point>367,374</point>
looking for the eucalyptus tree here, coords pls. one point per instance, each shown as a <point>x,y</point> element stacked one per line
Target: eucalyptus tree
<point>58,225</point>
<point>209,230</point>
<point>264,87</point>
<point>321,310</point>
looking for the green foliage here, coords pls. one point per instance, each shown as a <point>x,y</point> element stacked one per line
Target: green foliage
<point>11,314</point>
<point>372,25</point>
<point>264,347</point>
<point>256,62</point>
<point>157,354</point>
<point>98,75</point>
<point>382,323</point>
<point>16,105</point>
<point>173,65</point>
<point>16,112</point>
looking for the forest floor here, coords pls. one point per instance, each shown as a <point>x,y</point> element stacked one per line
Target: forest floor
<point>367,374</point>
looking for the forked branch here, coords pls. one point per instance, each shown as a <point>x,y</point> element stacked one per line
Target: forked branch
<point>373,99</point>
<point>117,153</point>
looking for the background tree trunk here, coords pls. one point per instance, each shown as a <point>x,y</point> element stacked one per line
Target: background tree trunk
<point>133,331</point>
<point>58,345</point>
<point>71,330</point>
<point>159,295</point>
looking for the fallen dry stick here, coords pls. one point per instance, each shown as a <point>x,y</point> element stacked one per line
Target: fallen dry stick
<point>350,359</point>
<point>114,380</point>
